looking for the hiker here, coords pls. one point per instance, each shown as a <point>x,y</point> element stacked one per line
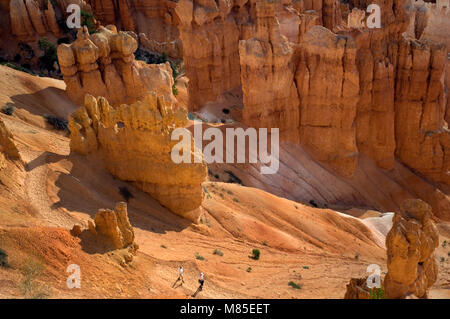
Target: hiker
<point>180,274</point>
<point>201,281</point>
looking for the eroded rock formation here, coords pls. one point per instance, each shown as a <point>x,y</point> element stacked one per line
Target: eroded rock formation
<point>153,18</point>
<point>355,92</point>
<point>328,85</point>
<point>115,225</point>
<point>31,19</point>
<point>422,135</point>
<point>410,244</point>
<point>134,142</point>
<point>267,76</point>
<point>357,289</point>
<point>8,149</point>
<point>103,64</point>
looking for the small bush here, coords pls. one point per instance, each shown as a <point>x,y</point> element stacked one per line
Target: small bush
<point>442,259</point>
<point>265,243</point>
<point>313,203</point>
<point>57,122</point>
<point>3,259</point>
<point>255,254</point>
<point>50,53</point>
<point>249,269</point>
<point>174,89</point>
<point>164,246</point>
<point>294,285</point>
<point>197,256</point>
<point>235,200</point>
<point>305,267</point>
<point>17,67</point>
<point>232,177</point>
<point>126,194</point>
<point>31,270</point>
<point>8,110</point>
<point>88,20</point>
<point>377,293</point>
<point>218,252</point>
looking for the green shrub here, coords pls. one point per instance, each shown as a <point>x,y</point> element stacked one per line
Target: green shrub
<point>294,285</point>
<point>88,20</point>
<point>3,259</point>
<point>197,256</point>
<point>305,267</point>
<point>377,293</point>
<point>8,110</point>
<point>50,53</point>
<point>32,268</point>
<point>17,67</point>
<point>174,89</point>
<point>125,192</point>
<point>218,252</point>
<point>249,269</point>
<point>57,122</point>
<point>255,254</point>
<point>235,200</point>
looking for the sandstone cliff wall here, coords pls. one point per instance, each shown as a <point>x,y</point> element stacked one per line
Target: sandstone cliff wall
<point>153,18</point>
<point>267,76</point>
<point>31,19</point>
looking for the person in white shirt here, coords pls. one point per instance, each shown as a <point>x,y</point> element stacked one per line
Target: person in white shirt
<point>180,274</point>
<point>201,280</point>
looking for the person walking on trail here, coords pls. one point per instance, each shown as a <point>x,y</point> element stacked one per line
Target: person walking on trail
<point>201,280</point>
<point>180,274</point>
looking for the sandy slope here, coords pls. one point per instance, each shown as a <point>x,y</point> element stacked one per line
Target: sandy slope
<point>43,196</point>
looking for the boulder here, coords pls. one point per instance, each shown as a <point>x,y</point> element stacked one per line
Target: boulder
<point>115,225</point>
